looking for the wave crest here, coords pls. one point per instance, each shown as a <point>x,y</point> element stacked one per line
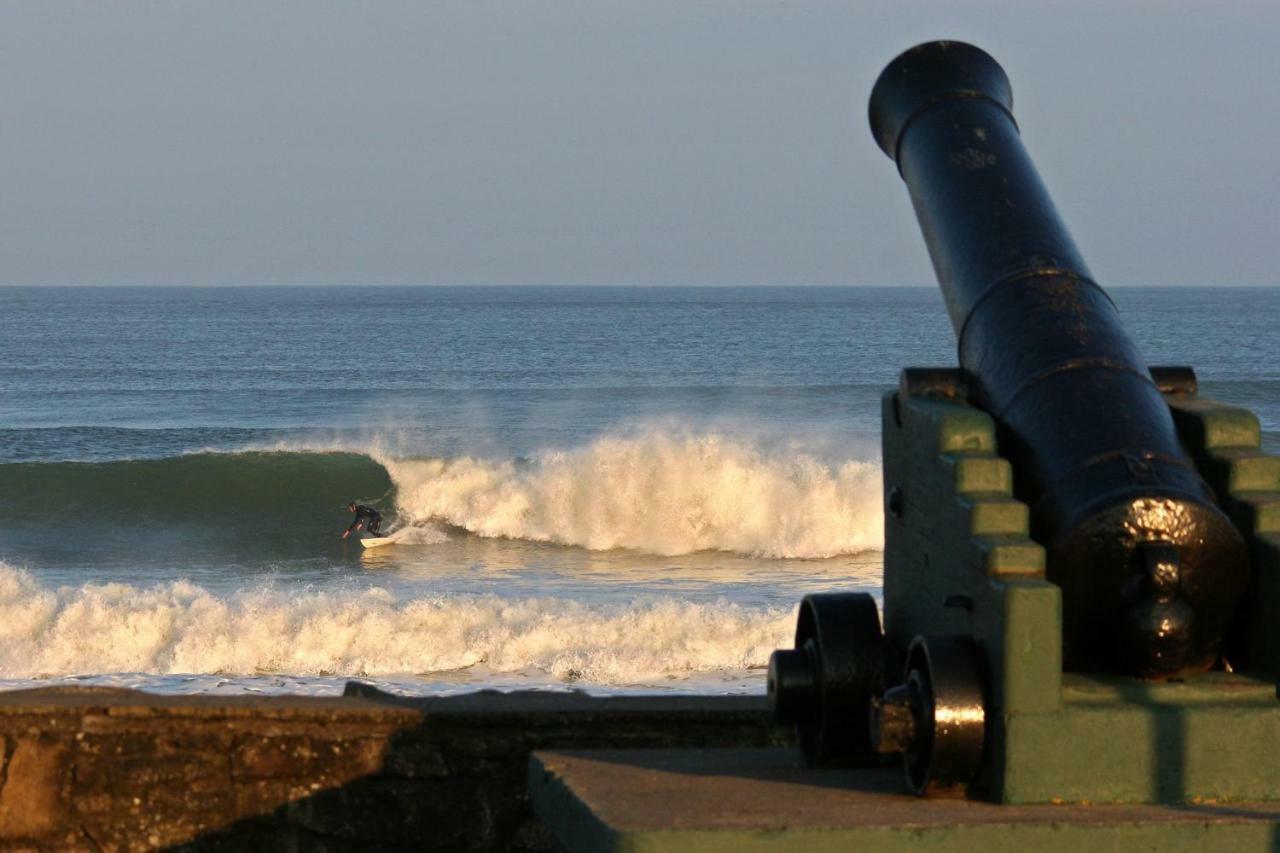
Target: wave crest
<point>666,491</point>
<point>663,492</point>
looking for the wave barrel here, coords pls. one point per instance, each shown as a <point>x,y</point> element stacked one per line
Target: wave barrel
<point>1150,569</point>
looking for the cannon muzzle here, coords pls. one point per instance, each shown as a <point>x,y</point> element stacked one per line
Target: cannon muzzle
<point>1150,569</point>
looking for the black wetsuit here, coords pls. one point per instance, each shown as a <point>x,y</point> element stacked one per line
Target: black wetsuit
<point>370,514</point>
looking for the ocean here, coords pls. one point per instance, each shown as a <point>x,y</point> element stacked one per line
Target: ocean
<point>607,489</point>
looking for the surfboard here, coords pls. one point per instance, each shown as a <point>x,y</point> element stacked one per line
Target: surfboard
<point>376,541</point>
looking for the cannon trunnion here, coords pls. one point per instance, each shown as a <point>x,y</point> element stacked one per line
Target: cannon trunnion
<point>1080,552</point>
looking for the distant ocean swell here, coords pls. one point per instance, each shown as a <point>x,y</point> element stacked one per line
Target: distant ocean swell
<point>179,627</point>
<point>665,492</point>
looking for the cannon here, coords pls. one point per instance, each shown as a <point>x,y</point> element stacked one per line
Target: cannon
<point>1073,540</point>
<point>1150,569</point>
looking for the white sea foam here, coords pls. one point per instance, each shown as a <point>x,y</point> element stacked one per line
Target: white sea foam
<point>419,534</point>
<point>662,488</point>
<point>665,491</point>
<point>179,627</point>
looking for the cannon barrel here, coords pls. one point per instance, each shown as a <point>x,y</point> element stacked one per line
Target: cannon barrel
<point>1150,569</point>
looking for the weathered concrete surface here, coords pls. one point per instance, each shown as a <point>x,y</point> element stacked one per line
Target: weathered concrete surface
<point>105,769</point>
<point>742,800</point>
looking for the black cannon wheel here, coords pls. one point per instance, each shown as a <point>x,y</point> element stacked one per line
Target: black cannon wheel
<point>824,686</point>
<point>944,674</point>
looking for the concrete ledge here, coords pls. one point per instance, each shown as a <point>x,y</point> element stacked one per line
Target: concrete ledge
<point>108,769</point>
<point>743,800</point>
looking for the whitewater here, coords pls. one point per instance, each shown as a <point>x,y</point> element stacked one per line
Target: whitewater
<point>600,489</point>
<point>179,627</point>
<point>614,507</point>
<point>663,492</point>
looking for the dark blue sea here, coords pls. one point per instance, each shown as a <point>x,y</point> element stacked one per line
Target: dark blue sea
<point>614,489</point>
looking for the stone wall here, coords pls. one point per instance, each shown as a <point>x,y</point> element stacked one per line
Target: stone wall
<point>106,769</point>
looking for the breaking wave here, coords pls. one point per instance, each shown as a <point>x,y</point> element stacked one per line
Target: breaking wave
<point>179,627</point>
<point>661,491</point>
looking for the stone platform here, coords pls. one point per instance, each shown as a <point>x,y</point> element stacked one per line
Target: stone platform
<point>744,800</point>
<point>104,769</point>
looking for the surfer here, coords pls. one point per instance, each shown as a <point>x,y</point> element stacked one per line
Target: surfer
<point>367,518</point>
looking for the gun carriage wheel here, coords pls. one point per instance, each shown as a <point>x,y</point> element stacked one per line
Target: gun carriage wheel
<point>824,686</point>
<point>936,717</point>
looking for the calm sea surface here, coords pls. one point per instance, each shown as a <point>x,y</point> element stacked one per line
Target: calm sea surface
<point>603,488</point>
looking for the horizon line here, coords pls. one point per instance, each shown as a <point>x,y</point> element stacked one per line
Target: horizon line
<point>573,285</point>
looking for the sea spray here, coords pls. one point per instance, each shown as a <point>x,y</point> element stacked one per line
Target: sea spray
<point>663,491</point>
<point>179,627</point>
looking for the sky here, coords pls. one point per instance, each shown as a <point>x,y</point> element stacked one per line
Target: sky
<point>656,142</point>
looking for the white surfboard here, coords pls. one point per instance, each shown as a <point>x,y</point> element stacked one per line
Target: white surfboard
<point>376,541</point>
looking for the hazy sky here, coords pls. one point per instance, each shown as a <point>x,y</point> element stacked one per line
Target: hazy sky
<point>647,142</point>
